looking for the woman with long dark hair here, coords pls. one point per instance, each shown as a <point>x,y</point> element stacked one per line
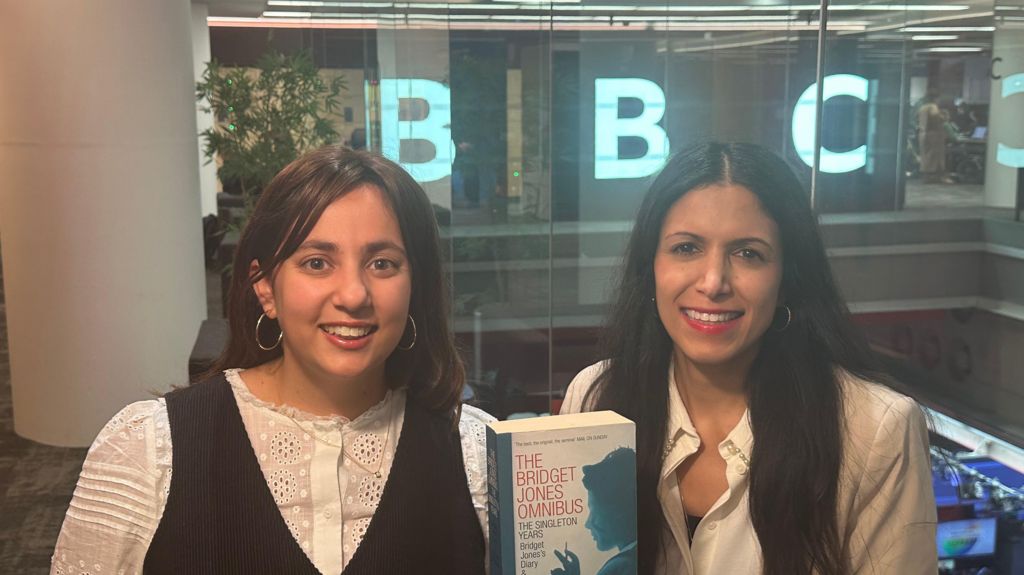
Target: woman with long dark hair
<point>329,436</point>
<point>762,444</point>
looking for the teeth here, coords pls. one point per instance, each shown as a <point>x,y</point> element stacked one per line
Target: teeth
<point>345,331</point>
<point>712,317</point>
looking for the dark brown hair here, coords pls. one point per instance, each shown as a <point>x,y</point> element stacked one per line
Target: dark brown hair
<point>794,395</point>
<point>288,209</point>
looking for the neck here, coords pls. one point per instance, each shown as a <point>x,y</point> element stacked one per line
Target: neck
<point>284,381</point>
<point>715,396</point>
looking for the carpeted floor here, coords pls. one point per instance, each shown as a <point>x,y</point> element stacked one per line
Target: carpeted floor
<point>920,195</point>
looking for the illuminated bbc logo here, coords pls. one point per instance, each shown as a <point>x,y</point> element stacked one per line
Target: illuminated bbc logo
<point>435,126</point>
<point>1008,155</point>
<point>608,127</point>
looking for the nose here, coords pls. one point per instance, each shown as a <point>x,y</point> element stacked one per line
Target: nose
<point>352,292</point>
<point>715,280</point>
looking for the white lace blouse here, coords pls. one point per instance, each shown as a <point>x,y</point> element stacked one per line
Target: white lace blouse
<point>322,471</point>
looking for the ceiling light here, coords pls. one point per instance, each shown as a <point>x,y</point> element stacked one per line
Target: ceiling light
<point>949,29</point>
<point>953,49</point>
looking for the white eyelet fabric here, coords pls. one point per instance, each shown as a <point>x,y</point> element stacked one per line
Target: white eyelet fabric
<point>326,490</point>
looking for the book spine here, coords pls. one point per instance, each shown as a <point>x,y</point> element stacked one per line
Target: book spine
<point>500,514</point>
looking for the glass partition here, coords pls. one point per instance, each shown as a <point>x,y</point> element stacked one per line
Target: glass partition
<point>536,127</point>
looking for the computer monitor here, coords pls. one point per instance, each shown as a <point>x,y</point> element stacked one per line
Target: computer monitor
<point>966,538</point>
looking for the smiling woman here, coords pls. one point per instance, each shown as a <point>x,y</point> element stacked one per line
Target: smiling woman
<point>763,443</point>
<point>329,436</point>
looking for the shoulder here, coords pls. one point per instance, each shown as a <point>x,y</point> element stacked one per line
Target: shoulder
<point>137,437</point>
<point>134,422</point>
<point>473,426</point>
<point>882,426</point>
<point>869,406</point>
<point>580,385</point>
<point>213,385</point>
<point>621,564</point>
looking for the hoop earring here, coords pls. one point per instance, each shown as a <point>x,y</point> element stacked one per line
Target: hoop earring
<point>789,318</point>
<point>413,336</point>
<point>276,343</point>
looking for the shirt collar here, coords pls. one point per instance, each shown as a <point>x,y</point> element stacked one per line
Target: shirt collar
<point>681,439</point>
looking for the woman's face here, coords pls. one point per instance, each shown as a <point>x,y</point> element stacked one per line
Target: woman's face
<point>601,528</point>
<point>343,297</point>
<point>717,273</point>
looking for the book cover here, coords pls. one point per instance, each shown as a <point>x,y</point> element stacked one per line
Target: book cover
<point>562,495</point>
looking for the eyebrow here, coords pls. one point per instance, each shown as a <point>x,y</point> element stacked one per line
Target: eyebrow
<point>382,245</point>
<point>736,242</point>
<point>331,247</point>
<point>318,246</point>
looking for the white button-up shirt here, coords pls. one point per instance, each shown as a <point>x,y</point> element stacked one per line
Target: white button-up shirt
<point>886,505</point>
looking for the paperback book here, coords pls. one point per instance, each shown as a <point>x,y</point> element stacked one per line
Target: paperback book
<point>562,495</point>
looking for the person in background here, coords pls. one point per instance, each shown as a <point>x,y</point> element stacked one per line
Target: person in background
<point>329,436</point>
<point>765,443</point>
<point>932,137</point>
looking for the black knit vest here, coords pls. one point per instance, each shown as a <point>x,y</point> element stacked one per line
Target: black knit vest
<point>221,517</point>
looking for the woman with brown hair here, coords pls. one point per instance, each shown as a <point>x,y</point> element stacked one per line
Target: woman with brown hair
<point>329,436</point>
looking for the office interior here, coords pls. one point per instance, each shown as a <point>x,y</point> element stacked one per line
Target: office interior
<point>535,128</point>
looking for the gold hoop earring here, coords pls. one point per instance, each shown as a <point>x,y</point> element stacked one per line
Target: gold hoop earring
<point>413,336</point>
<point>789,318</point>
<point>259,343</point>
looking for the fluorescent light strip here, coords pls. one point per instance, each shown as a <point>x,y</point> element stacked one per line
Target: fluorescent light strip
<point>762,18</point>
<point>283,14</point>
<point>722,46</point>
<point>339,15</point>
<point>930,37</point>
<point>929,20</point>
<point>752,26</point>
<point>574,5</point>
<point>953,49</point>
<point>528,17</point>
<point>232,22</point>
<point>503,22</point>
<point>805,7</point>
<point>620,17</point>
<point>536,2</point>
<point>901,7</point>
<point>948,29</point>
<point>769,22</point>
<point>316,4</point>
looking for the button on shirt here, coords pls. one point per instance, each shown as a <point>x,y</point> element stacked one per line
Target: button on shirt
<point>886,506</point>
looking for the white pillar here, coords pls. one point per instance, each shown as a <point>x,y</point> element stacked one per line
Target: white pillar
<point>1005,149</point>
<point>102,241</point>
<point>204,120</point>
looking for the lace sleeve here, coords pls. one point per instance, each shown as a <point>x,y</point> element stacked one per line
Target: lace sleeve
<point>120,495</point>
<point>472,430</point>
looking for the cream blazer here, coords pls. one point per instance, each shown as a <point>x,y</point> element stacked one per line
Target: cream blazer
<point>886,505</point>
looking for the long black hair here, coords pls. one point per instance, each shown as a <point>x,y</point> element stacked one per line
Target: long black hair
<point>286,212</point>
<point>794,394</point>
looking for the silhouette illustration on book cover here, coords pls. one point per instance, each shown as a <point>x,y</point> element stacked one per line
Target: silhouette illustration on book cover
<point>611,491</point>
